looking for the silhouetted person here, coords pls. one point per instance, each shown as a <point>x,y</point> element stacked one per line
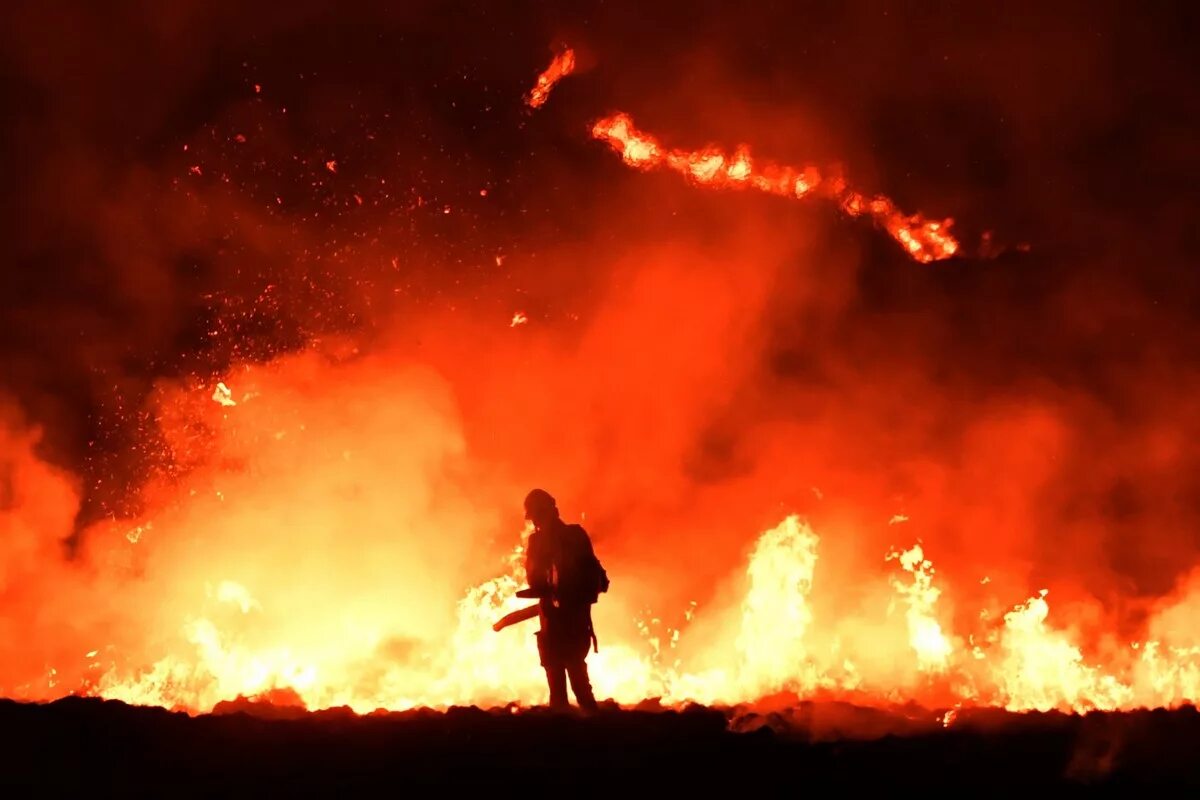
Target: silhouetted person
<point>566,576</point>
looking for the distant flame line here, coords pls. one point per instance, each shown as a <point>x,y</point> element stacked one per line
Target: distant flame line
<point>924,239</point>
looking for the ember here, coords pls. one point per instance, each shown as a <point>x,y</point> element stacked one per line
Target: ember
<point>561,66</point>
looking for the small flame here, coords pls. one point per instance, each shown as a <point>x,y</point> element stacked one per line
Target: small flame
<point>223,395</point>
<point>561,66</point>
<point>925,634</point>
<point>135,535</point>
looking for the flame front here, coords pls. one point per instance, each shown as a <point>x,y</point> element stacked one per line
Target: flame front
<point>923,239</point>
<point>1027,665</point>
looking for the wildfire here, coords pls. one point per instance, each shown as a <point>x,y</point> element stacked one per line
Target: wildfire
<point>267,563</point>
<point>776,645</point>
<point>561,66</point>
<point>924,239</point>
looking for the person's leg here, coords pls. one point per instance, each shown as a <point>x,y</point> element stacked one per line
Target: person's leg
<point>556,673</point>
<point>581,685</point>
<point>556,677</point>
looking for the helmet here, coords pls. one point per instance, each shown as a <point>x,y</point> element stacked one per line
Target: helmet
<point>538,500</point>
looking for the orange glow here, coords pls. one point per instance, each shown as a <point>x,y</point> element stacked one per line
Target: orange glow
<point>560,66</point>
<point>775,645</point>
<point>923,239</point>
<point>337,517</point>
<point>275,568</point>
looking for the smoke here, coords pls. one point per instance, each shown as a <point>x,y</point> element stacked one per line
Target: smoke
<point>341,228</point>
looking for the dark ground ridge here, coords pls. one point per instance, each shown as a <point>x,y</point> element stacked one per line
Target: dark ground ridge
<point>99,748</point>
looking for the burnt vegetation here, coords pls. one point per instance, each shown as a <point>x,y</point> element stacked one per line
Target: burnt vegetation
<point>78,745</point>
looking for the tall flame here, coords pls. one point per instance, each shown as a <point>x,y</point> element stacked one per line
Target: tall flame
<point>776,613</point>
<point>925,240</point>
<point>925,634</point>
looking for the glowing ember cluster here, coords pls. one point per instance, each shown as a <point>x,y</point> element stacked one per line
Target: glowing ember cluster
<point>924,239</point>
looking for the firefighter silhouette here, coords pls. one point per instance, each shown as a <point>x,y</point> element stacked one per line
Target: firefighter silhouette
<point>567,578</point>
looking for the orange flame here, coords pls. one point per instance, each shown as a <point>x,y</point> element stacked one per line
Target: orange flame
<point>561,66</point>
<point>778,643</point>
<point>932,647</point>
<point>924,239</point>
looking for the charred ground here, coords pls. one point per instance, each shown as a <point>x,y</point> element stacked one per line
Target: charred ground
<point>86,745</point>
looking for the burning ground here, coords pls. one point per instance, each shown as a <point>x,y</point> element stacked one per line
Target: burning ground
<point>866,355</point>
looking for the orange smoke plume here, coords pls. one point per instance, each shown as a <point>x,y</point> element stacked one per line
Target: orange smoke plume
<point>561,66</point>
<point>924,239</point>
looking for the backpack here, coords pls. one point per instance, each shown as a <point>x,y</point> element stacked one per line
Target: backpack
<point>590,579</point>
<point>599,579</point>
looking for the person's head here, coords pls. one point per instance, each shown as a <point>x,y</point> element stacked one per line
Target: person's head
<point>540,508</point>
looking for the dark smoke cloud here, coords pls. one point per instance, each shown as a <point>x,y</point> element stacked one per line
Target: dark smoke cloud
<point>1049,392</point>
